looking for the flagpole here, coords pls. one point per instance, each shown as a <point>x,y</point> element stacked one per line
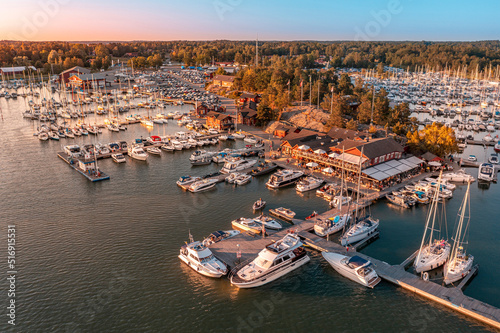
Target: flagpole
<point>301,92</point>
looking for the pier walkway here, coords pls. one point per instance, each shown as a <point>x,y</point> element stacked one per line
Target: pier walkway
<point>451,297</point>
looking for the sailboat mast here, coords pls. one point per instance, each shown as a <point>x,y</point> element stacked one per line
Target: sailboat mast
<point>458,236</point>
<point>359,182</point>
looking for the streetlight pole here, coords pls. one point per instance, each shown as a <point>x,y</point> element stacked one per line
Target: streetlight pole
<point>318,91</point>
<point>310,90</point>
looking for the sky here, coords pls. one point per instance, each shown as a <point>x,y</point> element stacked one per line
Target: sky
<point>370,20</point>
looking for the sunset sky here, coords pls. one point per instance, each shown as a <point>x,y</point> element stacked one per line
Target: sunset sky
<point>244,19</point>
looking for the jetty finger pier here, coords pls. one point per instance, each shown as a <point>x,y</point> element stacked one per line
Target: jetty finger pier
<point>249,245</point>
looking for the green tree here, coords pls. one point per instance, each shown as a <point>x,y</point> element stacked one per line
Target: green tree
<point>345,85</point>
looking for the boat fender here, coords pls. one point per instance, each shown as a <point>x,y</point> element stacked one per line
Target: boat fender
<point>425,276</point>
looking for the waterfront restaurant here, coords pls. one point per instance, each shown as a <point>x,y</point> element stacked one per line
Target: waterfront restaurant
<point>378,160</point>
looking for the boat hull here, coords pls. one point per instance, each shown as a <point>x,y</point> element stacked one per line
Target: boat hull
<point>272,276</point>
<point>202,271</point>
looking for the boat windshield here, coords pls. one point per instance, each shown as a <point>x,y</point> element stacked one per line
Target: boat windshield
<point>364,271</point>
<point>487,170</point>
<point>207,259</point>
<point>261,262</point>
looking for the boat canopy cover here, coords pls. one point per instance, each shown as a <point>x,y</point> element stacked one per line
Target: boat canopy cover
<point>356,262</point>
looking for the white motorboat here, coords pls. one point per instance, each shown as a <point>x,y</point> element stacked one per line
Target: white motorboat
<point>246,224</point>
<point>238,135</point>
<point>259,204</point>
<point>242,179</point>
<point>154,151</point>
<point>136,152</point>
<point>340,200</point>
<point>202,185</point>
<point>218,236</point>
<point>234,164</point>
<point>274,261</point>
<point>460,263</point>
<point>43,136</point>
<point>497,147</point>
<point>232,177</point>
<point>433,251</point>
<point>168,147</point>
<point>53,135</point>
<point>359,231</point>
<point>250,139</point>
<point>200,258</point>
<point>398,200</point>
<point>493,159</point>
<point>331,225</point>
<point>487,173</point>
<point>186,180</point>
<point>113,128</point>
<point>459,176</point>
<point>118,158</point>
<point>284,178</point>
<point>268,222</point>
<point>309,183</point>
<point>354,268</point>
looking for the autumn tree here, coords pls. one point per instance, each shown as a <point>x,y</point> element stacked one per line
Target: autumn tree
<point>435,138</point>
<point>339,109</point>
<point>345,85</point>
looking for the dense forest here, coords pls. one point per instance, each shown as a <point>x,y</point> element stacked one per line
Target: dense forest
<point>407,55</point>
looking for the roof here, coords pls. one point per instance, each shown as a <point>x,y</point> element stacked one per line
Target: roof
<point>15,69</point>
<point>248,95</point>
<point>78,69</point>
<point>227,78</point>
<point>373,148</point>
<point>90,77</point>
<point>391,168</point>
<point>343,134</point>
<point>304,135</point>
<point>428,156</point>
<point>218,115</point>
<point>248,113</point>
<point>357,261</point>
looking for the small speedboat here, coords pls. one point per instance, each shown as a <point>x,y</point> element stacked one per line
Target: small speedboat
<point>154,150</point>
<point>283,212</point>
<point>118,158</point>
<point>268,222</point>
<point>246,224</point>
<point>354,268</point>
<point>218,236</point>
<point>185,180</point>
<point>259,204</point>
<point>242,179</point>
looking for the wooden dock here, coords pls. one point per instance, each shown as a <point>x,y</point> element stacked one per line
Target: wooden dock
<point>451,297</point>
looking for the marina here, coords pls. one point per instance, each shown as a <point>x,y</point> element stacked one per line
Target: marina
<point>201,211</point>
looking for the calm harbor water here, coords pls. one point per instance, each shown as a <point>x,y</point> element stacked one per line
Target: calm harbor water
<point>103,257</point>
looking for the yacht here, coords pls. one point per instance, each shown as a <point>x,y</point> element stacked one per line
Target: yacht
<point>234,164</point>
<point>309,183</point>
<point>354,268</point>
<point>268,222</point>
<point>202,185</point>
<point>118,158</point>
<point>200,258</point>
<point>246,224</point>
<point>185,180</point>
<point>137,153</point>
<point>487,173</point>
<point>359,231</point>
<point>274,261</point>
<point>331,225</point>
<point>459,176</point>
<point>284,178</point>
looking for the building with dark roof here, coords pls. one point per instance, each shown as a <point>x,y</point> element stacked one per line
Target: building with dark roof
<point>65,75</point>
<point>220,121</point>
<point>374,151</point>
<point>223,80</point>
